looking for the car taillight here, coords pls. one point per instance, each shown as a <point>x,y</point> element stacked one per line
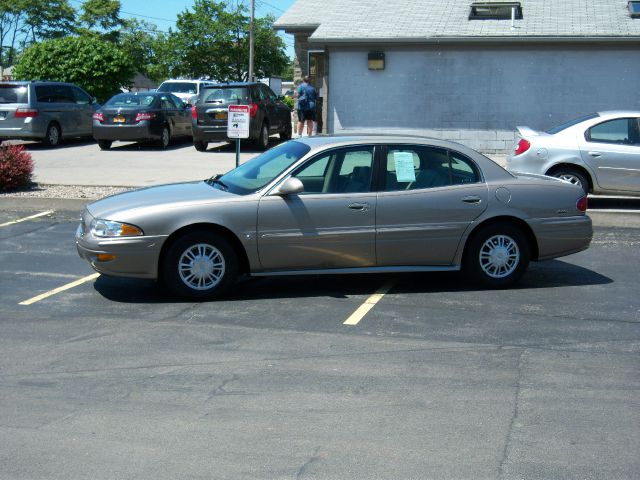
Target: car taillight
<point>582,204</point>
<point>253,109</point>
<point>98,116</point>
<point>194,112</point>
<point>144,116</point>
<point>26,113</point>
<point>523,146</point>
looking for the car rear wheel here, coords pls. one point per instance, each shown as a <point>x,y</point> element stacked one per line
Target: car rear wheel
<point>200,146</point>
<point>104,144</point>
<point>263,139</point>
<point>286,133</point>
<point>573,176</point>
<point>165,138</point>
<point>200,265</point>
<point>53,135</point>
<point>498,256</point>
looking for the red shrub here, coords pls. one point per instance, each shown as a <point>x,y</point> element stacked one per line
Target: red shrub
<point>16,167</point>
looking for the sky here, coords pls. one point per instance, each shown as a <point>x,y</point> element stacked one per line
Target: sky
<point>163,13</point>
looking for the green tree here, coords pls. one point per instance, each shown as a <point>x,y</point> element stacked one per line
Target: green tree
<point>102,18</point>
<point>100,67</point>
<point>213,41</point>
<point>145,45</point>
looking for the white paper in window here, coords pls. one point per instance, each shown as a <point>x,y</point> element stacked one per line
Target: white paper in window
<point>404,166</point>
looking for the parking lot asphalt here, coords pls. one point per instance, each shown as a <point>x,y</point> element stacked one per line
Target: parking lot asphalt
<point>112,378</point>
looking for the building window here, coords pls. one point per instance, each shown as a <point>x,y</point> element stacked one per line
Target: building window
<point>634,9</point>
<point>496,11</point>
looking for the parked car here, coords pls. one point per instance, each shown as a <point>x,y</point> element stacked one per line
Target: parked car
<point>268,114</point>
<point>185,89</point>
<point>141,116</point>
<point>599,152</point>
<point>47,111</point>
<point>329,205</point>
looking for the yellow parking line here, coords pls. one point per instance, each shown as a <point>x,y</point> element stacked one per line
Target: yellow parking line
<point>48,212</point>
<point>60,289</point>
<point>368,304</point>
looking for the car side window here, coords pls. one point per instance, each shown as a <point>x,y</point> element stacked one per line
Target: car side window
<point>176,102</point>
<point>612,131</point>
<point>463,170</point>
<point>416,167</point>
<point>345,170</point>
<point>64,94</point>
<point>166,104</point>
<point>269,93</point>
<point>81,98</point>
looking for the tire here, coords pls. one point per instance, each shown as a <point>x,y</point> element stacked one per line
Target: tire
<point>200,145</point>
<point>200,265</point>
<point>573,176</point>
<point>53,136</point>
<point>104,144</point>
<point>165,138</point>
<point>286,133</point>
<point>497,255</point>
<point>263,139</point>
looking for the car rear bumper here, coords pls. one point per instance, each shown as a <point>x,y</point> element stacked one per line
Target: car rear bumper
<point>558,237</point>
<point>22,131</point>
<point>140,131</point>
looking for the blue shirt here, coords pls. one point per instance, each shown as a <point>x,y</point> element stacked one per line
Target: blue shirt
<point>306,97</point>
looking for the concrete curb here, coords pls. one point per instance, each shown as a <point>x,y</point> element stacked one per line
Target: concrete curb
<point>600,218</point>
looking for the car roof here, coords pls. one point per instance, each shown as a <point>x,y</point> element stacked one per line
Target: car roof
<point>619,113</point>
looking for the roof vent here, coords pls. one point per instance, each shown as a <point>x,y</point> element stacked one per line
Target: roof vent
<point>497,10</point>
<point>634,9</point>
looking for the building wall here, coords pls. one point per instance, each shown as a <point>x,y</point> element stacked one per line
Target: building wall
<point>477,96</point>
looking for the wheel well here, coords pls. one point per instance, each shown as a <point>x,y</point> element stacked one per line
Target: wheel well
<point>571,166</point>
<point>513,221</point>
<point>55,122</point>
<point>209,227</point>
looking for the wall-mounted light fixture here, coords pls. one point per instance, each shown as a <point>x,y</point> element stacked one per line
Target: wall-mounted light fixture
<point>376,61</point>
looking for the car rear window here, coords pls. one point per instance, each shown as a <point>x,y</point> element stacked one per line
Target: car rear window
<point>227,95</point>
<point>179,87</point>
<point>571,123</point>
<point>13,94</point>
<point>129,100</point>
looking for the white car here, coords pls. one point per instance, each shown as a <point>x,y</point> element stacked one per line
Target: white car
<point>185,89</point>
<point>600,152</point>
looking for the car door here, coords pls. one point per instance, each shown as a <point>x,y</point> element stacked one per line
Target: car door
<point>275,109</point>
<point>84,108</point>
<point>612,150</point>
<point>183,116</point>
<point>331,224</point>
<point>170,112</point>
<point>428,198</point>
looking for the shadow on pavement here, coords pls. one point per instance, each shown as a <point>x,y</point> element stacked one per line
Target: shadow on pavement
<point>549,274</point>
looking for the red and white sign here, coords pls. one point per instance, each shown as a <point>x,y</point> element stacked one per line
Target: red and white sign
<point>238,121</point>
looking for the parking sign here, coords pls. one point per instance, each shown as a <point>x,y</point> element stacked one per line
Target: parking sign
<point>238,121</point>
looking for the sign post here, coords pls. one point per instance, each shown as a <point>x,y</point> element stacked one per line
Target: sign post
<point>238,125</point>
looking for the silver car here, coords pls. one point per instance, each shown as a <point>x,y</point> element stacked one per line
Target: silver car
<point>47,111</point>
<point>328,205</point>
<point>599,152</point>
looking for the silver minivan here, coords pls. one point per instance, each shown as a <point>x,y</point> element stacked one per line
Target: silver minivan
<point>47,111</point>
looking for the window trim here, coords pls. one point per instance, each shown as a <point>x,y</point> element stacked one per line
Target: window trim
<point>587,133</point>
<point>473,14</point>
<point>634,8</point>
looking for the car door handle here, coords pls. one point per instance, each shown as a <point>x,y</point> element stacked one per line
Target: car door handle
<point>359,207</point>
<point>472,200</point>
<point>595,154</point>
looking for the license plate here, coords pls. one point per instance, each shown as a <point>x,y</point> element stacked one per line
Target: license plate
<point>221,116</point>
<point>3,115</point>
<point>118,119</point>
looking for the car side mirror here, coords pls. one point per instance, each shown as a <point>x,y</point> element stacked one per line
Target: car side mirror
<point>291,186</point>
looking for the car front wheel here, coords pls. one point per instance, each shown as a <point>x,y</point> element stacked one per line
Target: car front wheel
<point>498,256</point>
<point>200,265</point>
<point>104,144</point>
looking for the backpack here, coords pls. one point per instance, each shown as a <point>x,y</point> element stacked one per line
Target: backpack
<point>303,102</point>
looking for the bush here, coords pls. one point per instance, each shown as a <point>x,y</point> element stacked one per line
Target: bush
<point>288,101</point>
<point>16,167</point>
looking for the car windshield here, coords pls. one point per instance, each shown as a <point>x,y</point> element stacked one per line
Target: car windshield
<point>261,170</point>
<point>130,100</point>
<point>571,123</point>
<point>227,95</point>
<point>179,87</point>
<point>13,94</point>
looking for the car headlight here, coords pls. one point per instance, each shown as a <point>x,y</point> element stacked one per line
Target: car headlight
<point>109,228</point>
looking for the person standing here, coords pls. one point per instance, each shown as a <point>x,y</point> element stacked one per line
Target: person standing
<point>307,97</point>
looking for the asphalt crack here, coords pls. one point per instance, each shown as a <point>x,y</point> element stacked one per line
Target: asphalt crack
<point>515,414</point>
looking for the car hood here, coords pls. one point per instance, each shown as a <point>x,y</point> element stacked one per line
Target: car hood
<point>159,197</point>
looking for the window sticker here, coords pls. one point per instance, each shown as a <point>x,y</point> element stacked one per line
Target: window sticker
<point>404,167</point>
